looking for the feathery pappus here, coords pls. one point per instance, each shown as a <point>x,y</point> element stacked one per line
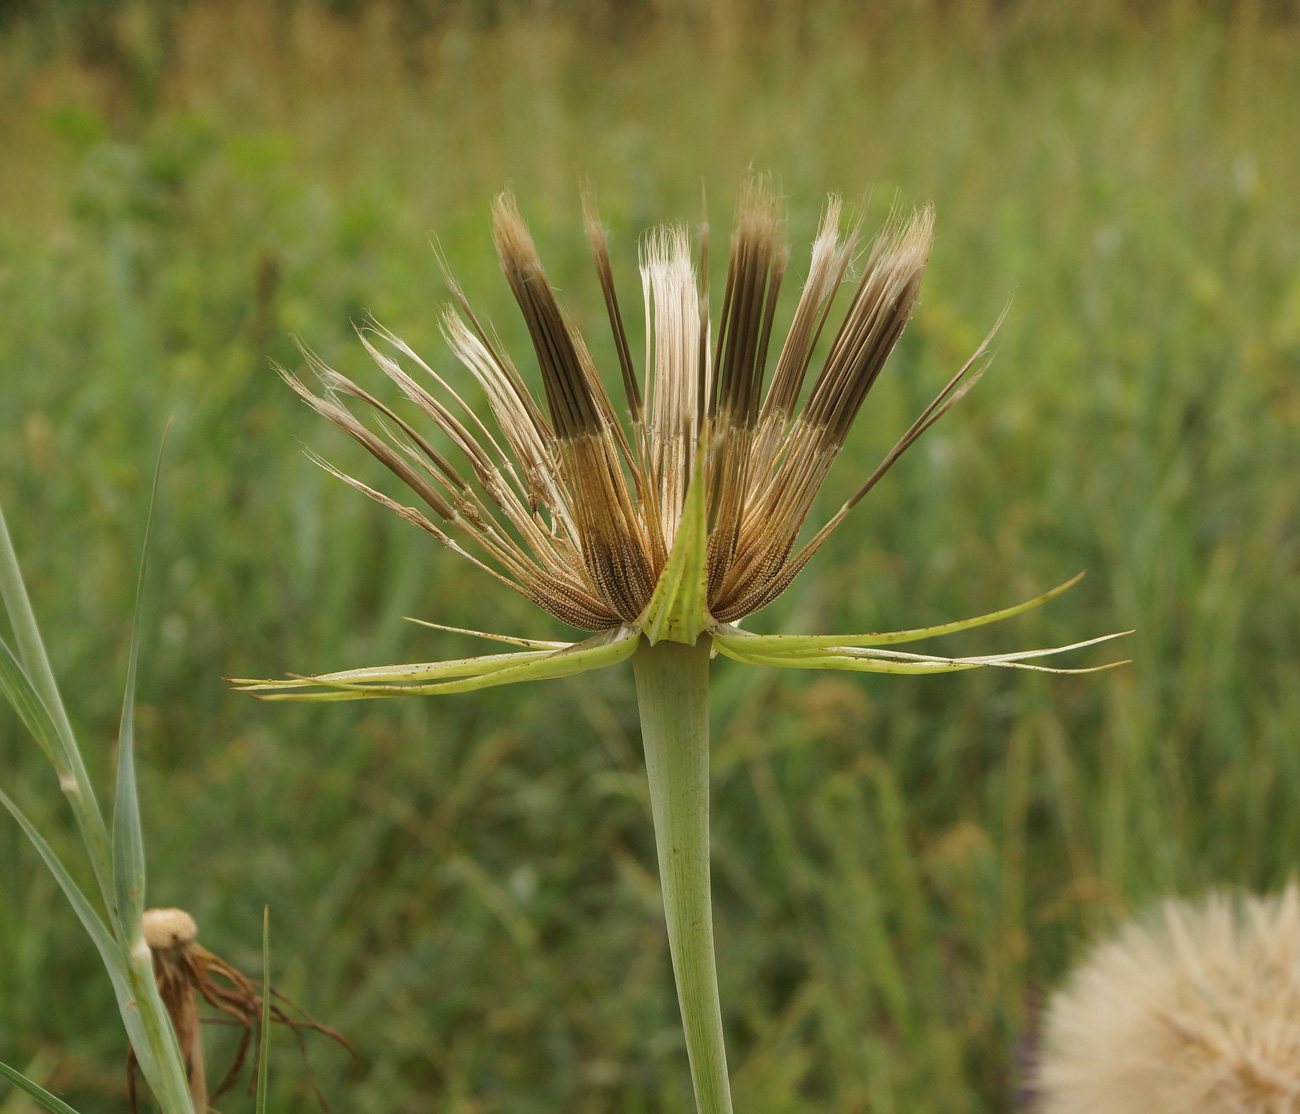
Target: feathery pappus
<point>1194,1010</point>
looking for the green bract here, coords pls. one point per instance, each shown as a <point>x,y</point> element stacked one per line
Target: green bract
<point>676,614</point>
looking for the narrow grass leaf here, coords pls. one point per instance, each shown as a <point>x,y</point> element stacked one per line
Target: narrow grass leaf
<point>31,650</point>
<point>35,1090</point>
<point>31,709</point>
<point>128,840</point>
<point>146,1027</point>
<point>36,665</point>
<point>264,1041</point>
<point>94,927</point>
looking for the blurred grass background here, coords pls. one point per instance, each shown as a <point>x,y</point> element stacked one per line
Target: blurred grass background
<point>903,866</point>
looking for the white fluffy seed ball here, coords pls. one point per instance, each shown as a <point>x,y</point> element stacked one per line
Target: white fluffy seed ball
<point>1195,1010</point>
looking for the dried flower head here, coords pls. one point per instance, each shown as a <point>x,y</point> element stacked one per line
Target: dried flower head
<point>171,935</point>
<point>186,972</point>
<point>167,930</point>
<point>687,518</point>
<point>1193,1011</point>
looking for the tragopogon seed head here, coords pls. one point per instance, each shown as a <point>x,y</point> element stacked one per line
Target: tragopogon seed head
<point>1195,1011</point>
<point>579,513</point>
<point>677,524</point>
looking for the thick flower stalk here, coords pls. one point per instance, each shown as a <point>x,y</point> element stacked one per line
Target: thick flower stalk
<point>658,534</point>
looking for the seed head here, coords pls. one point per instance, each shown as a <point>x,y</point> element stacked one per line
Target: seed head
<point>576,508</point>
<point>1194,1011</point>
<point>682,516</point>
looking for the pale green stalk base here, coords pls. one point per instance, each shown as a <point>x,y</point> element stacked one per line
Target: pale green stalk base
<point>672,688</point>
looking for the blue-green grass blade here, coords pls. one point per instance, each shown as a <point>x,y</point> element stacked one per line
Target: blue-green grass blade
<point>130,969</point>
<point>816,641</point>
<point>678,609</point>
<point>31,650</point>
<point>128,839</point>
<point>595,653</point>
<point>90,920</point>
<point>36,665</point>
<point>35,1090</point>
<point>142,1009</point>
<point>143,1013</point>
<point>31,709</point>
<point>264,1038</point>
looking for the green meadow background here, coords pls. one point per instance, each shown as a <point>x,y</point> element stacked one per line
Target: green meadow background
<point>904,867</point>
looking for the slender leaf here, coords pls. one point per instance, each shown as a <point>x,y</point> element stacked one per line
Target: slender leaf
<point>30,686</point>
<point>36,665</point>
<point>39,1093</point>
<point>31,650</point>
<point>142,1022</point>
<point>99,934</point>
<point>128,839</point>
<point>31,709</point>
<point>152,1034</point>
<point>265,1035</point>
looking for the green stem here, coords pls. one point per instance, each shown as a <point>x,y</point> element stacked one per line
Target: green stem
<point>672,688</point>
